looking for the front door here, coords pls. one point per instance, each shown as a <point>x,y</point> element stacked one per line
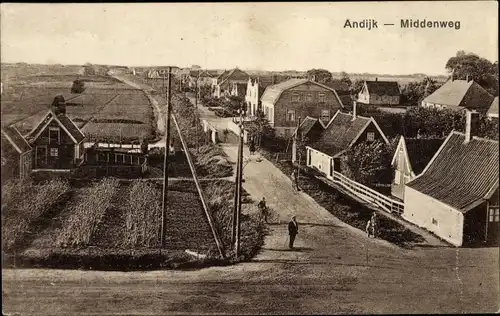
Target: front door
<point>41,156</point>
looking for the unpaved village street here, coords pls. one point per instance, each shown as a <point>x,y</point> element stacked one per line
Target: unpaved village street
<point>335,269</point>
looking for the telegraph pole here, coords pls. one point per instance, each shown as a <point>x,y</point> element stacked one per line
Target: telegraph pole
<point>163,80</point>
<point>240,180</point>
<point>297,151</point>
<point>196,106</point>
<point>165,161</point>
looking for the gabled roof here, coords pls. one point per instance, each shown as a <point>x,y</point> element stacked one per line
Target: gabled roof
<point>64,122</point>
<point>273,93</point>
<point>235,74</point>
<point>419,151</point>
<point>461,175</point>
<point>493,110</point>
<point>461,93</point>
<point>16,139</point>
<point>203,73</point>
<point>388,88</point>
<point>342,132</point>
<point>307,124</point>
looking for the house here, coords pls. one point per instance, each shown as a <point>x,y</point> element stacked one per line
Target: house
<point>201,78</point>
<point>456,195</point>
<point>410,158</point>
<point>17,154</point>
<point>284,103</point>
<point>238,89</point>
<point>255,89</point>
<point>56,140</point>
<point>460,95</point>
<point>381,93</point>
<point>344,131</point>
<point>223,85</point>
<point>343,92</point>
<point>309,130</point>
<point>493,110</point>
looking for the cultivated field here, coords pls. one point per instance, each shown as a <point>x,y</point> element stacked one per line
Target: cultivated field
<point>109,224</point>
<point>108,110</point>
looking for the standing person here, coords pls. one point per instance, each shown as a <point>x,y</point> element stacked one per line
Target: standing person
<point>293,230</point>
<point>374,223</point>
<point>263,209</point>
<point>252,146</point>
<point>369,228</point>
<point>295,180</point>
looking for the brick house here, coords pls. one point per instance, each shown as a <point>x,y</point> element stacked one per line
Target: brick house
<point>460,95</point>
<point>410,158</point>
<point>381,93</point>
<point>255,89</point>
<point>456,195</point>
<point>284,103</point>
<point>344,131</point>
<point>56,140</point>
<point>17,154</point>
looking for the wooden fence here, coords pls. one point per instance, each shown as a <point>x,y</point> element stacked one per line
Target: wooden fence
<point>369,195</point>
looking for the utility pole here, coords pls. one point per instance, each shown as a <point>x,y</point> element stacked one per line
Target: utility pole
<point>165,161</point>
<point>240,180</point>
<point>163,80</point>
<point>196,107</point>
<point>297,151</point>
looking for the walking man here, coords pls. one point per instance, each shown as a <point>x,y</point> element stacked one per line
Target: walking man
<point>374,223</point>
<point>251,146</point>
<point>263,209</point>
<point>293,229</point>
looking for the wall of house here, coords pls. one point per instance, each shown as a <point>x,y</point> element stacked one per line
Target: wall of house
<point>303,106</point>
<point>437,217</point>
<point>65,150</point>
<point>318,160</point>
<point>383,100</point>
<point>10,161</point>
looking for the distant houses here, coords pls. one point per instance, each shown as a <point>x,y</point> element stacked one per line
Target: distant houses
<point>456,195</point>
<point>409,160</point>
<point>344,131</point>
<point>380,93</point>
<point>201,78</point>
<point>284,103</point>
<point>460,95</point>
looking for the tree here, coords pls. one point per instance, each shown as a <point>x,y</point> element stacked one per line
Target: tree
<point>481,70</point>
<point>320,75</point>
<point>78,86</point>
<point>356,86</point>
<point>369,163</point>
<point>414,92</point>
<point>344,79</point>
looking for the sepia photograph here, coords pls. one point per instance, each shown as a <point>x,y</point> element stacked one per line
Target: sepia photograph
<point>250,158</point>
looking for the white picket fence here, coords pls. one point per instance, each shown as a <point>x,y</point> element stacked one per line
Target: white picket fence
<point>369,195</point>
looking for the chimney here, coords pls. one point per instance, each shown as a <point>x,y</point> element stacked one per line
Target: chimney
<point>273,79</point>
<point>453,74</point>
<point>313,78</point>
<point>353,110</point>
<point>471,125</point>
<point>467,78</point>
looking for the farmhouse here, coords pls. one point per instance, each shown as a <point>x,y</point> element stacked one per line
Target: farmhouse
<point>410,158</point>
<point>493,110</point>
<point>342,132</point>
<point>386,93</point>
<point>17,158</point>
<point>56,140</point>
<point>456,195</point>
<point>284,103</point>
<point>223,85</point>
<point>459,95</point>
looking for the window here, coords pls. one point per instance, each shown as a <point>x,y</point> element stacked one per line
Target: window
<point>494,215</point>
<point>54,135</point>
<point>295,97</point>
<point>434,221</point>
<point>309,97</point>
<point>119,158</point>
<point>370,136</point>
<point>54,152</point>
<point>325,115</point>
<point>290,115</point>
<point>321,97</point>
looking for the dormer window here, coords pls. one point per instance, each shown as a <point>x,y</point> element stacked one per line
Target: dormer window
<point>54,135</point>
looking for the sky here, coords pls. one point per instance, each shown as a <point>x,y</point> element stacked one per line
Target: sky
<point>264,36</point>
